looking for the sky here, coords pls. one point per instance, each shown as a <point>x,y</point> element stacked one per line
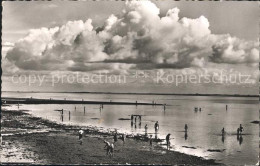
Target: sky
<point>141,40</point>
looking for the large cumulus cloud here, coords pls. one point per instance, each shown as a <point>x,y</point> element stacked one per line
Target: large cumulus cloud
<point>138,38</point>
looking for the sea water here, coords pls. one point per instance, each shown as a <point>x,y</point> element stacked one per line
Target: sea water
<point>204,127</point>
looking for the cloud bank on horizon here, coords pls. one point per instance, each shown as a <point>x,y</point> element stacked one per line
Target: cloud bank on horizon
<point>136,39</point>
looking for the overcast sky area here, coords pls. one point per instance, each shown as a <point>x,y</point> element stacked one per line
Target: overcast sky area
<point>115,37</point>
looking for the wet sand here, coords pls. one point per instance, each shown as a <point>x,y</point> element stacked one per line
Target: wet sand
<point>22,141</point>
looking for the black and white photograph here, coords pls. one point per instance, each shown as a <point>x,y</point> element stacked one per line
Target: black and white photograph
<point>134,82</point>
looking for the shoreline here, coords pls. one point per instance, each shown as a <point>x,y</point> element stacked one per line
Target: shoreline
<point>135,151</point>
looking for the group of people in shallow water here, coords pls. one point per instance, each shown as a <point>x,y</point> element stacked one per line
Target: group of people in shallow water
<point>240,129</point>
<point>156,128</point>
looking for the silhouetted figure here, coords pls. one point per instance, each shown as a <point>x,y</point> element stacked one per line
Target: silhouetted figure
<point>145,129</point>
<point>238,131</point>
<point>123,138</point>
<point>75,108</point>
<point>223,131</point>
<point>69,115</point>
<point>156,126</point>
<point>115,137</point>
<point>195,109</point>
<point>226,107</point>
<point>186,128</point>
<point>61,116</point>
<point>132,124</point>
<point>238,135</point>
<point>84,110</point>
<point>241,129</point>
<point>168,141</point>
<point>132,118</point>
<point>200,109</point>
<point>140,125</point>
<point>186,136</point>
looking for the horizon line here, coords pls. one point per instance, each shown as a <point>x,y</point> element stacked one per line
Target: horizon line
<point>145,93</point>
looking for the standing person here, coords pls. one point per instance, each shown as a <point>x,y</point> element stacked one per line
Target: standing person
<point>168,141</point>
<point>145,129</point>
<point>81,135</point>
<point>238,131</point>
<point>186,128</point>
<point>241,129</point>
<point>156,126</point>
<point>151,140</point>
<point>123,138</point>
<point>115,137</point>
<point>223,131</point>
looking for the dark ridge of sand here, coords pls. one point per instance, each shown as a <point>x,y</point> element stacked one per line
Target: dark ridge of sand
<point>61,145</point>
<point>255,122</point>
<point>143,93</point>
<point>11,100</point>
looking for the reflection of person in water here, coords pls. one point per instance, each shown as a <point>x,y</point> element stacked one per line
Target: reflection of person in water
<point>186,128</point>
<point>186,136</point>
<point>223,138</point>
<point>156,135</point>
<point>240,140</point>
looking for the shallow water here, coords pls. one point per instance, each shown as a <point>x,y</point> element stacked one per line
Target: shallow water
<point>204,128</point>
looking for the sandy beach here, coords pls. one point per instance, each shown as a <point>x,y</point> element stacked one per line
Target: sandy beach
<point>27,139</point>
